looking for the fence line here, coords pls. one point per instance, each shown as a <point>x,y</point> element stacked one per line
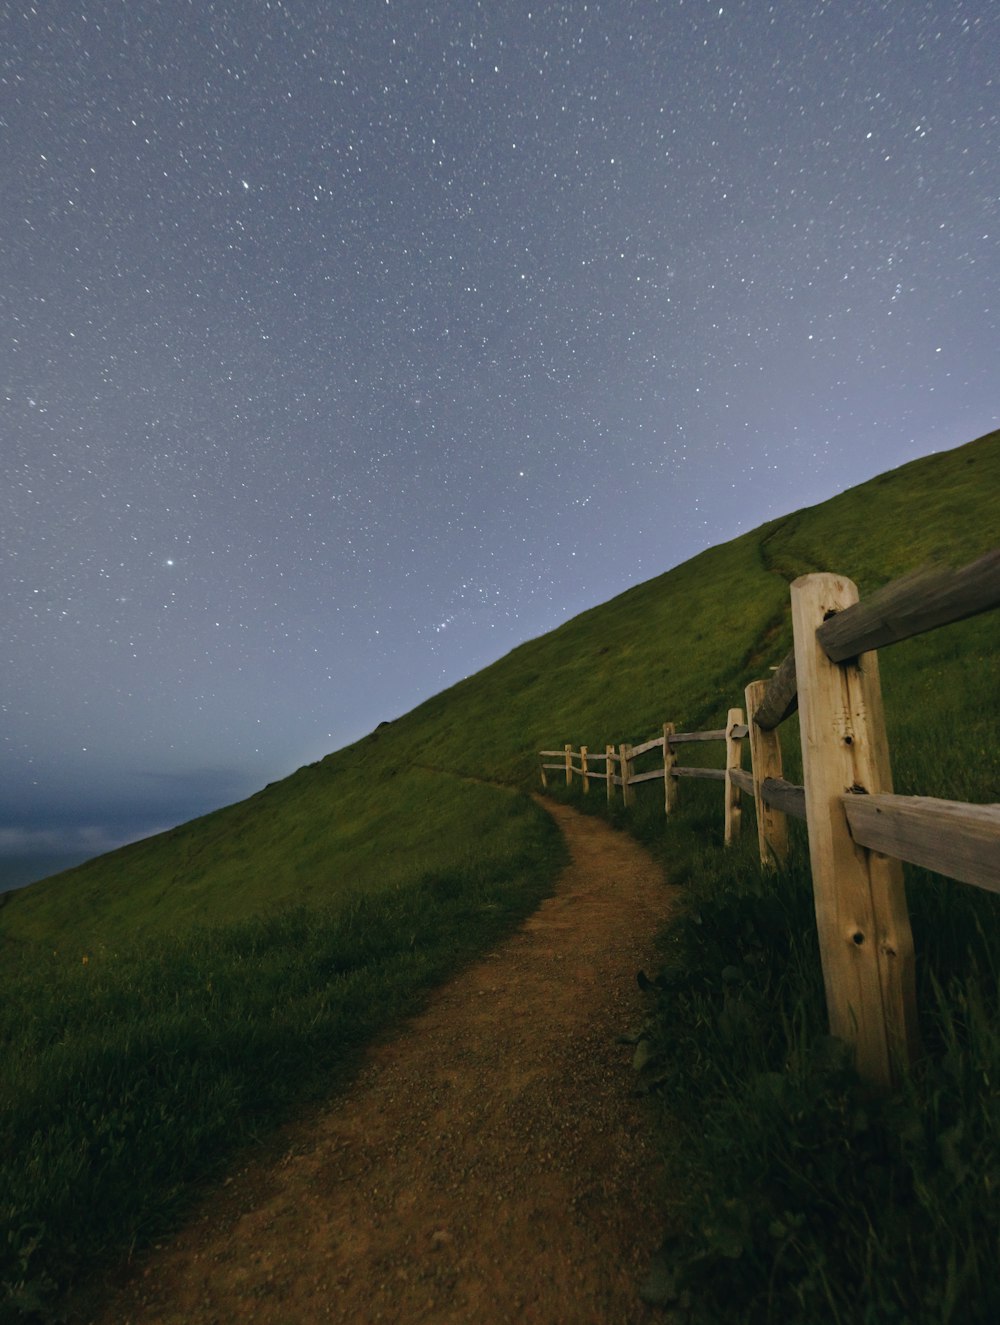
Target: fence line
<point>577,763</point>
<point>859,831</point>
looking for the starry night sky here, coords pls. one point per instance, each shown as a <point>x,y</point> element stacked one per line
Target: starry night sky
<point>344,346</point>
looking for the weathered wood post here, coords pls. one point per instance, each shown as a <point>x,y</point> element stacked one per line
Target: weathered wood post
<point>609,768</point>
<point>669,781</point>
<point>865,941</point>
<point>541,769</point>
<point>584,770</point>
<point>568,752</point>
<point>628,794</point>
<point>765,762</point>
<point>734,758</point>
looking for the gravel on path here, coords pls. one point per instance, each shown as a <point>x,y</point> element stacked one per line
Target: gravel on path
<point>489,1164</point>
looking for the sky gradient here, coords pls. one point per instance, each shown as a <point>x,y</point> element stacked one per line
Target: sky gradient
<point>345,346</point>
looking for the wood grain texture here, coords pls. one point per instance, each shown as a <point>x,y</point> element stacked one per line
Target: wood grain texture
<point>708,774</point>
<point>784,796</point>
<point>742,778</point>
<point>625,755</point>
<point>765,761</point>
<point>951,837</point>
<point>780,699</point>
<point>865,942</point>
<point>669,761</point>
<point>733,802</point>
<point>921,601</point>
<point>654,744</point>
<point>684,738</point>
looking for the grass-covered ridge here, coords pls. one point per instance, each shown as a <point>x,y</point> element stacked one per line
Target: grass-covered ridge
<point>240,959</point>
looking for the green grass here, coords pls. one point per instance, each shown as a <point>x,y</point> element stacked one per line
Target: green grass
<point>795,1194</point>
<point>129,1073</point>
<point>235,965</point>
<point>309,839</point>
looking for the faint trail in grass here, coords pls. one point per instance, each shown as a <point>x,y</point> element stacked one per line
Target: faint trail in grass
<point>490,1163</point>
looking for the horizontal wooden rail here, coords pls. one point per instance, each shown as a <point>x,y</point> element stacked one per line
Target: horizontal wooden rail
<point>654,775</point>
<point>951,837</point>
<point>909,606</point>
<point>743,779</point>
<point>654,744</point>
<point>784,796</point>
<point>683,738</point>
<point>709,774</point>
<point>780,698</point>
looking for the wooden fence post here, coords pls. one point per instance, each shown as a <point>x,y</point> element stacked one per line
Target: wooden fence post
<point>541,769</point>
<point>669,781</point>
<point>765,762</point>
<point>568,752</point>
<point>626,767</point>
<point>734,758</point>
<point>865,941</point>
<point>584,771</point>
<point>609,768</point>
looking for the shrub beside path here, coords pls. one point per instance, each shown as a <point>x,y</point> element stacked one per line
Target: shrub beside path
<point>489,1164</point>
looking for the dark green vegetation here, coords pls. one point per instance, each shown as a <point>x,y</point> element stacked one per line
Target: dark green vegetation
<point>135,1058</point>
<point>236,963</point>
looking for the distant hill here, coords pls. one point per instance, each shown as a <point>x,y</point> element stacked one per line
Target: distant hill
<point>680,646</point>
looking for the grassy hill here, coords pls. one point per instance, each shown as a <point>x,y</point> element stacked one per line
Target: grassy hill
<point>180,992</point>
<point>680,646</point>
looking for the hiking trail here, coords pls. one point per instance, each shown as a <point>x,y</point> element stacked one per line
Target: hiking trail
<point>488,1164</point>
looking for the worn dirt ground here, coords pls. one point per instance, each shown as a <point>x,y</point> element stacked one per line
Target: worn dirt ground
<point>490,1163</point>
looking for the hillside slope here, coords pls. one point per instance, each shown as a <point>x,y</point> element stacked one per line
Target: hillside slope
<point>680,646</point>
<point>167,1004</point>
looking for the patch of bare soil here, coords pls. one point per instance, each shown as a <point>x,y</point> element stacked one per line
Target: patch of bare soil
<point>489,1164</point>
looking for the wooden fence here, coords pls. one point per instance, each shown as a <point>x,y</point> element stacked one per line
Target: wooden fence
<point>859,831</point>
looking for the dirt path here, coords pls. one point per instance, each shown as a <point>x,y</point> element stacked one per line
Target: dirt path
<point>488,1165</point>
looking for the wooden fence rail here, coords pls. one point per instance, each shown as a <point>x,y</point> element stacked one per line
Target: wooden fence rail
<point>859,831</point>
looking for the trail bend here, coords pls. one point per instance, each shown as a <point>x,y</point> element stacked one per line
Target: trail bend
<point>489,1163</point>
